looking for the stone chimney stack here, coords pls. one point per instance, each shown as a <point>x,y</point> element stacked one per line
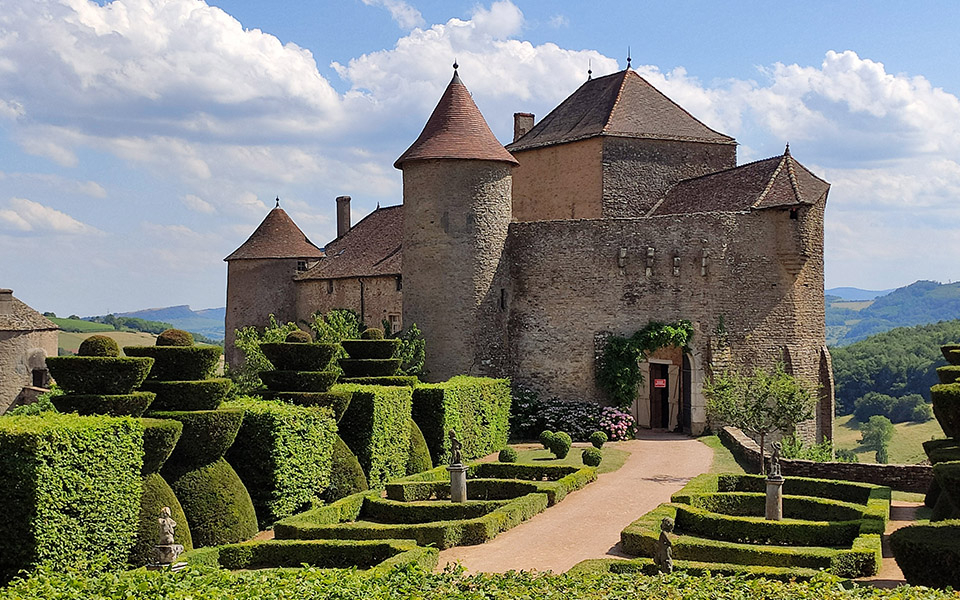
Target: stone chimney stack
<point>6,302</point>
<point>343,215</point>
<point>522,123</point>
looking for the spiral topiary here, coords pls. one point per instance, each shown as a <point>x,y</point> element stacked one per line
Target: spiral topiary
<point>175,337</point>
<point>298,337</point>
<point>508,455</point>
<point>99,345</point>
<point>372,334</point>
<point>592,457</point>
<point>598,439</point>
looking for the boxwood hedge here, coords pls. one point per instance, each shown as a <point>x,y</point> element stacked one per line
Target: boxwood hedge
<point>346,475</point>
<point>929,554</point>
<point>205,394</point>
<point>157,493</point>
<point>371,348</point>
<point>337,400</point>
<point>133,404</point>
<point>179,363</point>
<point>646,566</point>
<point>407,380</point>
<point>207,434</point>
<point>328,554</point>
<point>369,367</point>
<point>160,437</point>
<point>946,407</point>
<point>293,356</point>
<point>71,488</point>
<point>477,408</point>
<point>298,381</point>
<point>418,455</point>
<point>376,428</point>
<point>98,374</point>
<point>285,451</point>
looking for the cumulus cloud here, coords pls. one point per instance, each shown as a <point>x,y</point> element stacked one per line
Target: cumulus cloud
<point>29,216</point>
<point>405,15</point>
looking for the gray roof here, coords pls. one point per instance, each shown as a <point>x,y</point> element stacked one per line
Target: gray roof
<point>622,104</point>
<point>24,318</point>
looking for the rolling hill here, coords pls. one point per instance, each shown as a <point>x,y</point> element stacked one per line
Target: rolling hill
<point>208,321</point>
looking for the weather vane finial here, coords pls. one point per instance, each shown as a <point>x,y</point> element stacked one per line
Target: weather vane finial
<point>628,57</point>
<point>455,65</point>
<point>589,69</point>
<point>278,202</point>
<point>787,150</point>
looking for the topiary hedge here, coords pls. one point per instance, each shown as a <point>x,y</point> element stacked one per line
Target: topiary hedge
<point>346,475</point>
<point>174,337</point>
<point>160,437</point>
<point>205,394</point>
<point>393,380</point>
<point>292,356</point>
<point>285,452</point>
<point>71,488</point>
<point>337,401</point>
<point>947,476</point>
<point>299,336</point>
<point>324,554</point>
<point>946,407</point>
<point>477,408</point>
<point>298,381</point>
<point>98,374</point>
<point>647,567</point>
<point>133,404</point>
<point>592,457</point>
<point>157,493</point>
<point>376,428</point>
<point>508,455</point>
<point>929,554</point>
<point>179,363</point>
<point>418,457</point>
<point>371,348</point>
<point>948,374</point>
<point>369,367</point>
<point>99,345</point>
<point>207,434</point>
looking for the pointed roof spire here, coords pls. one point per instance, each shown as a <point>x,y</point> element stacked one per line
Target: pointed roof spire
<point>278,202</point>
<point>276,237</point>
<point>786,151</point>
<point>628,57</point>
<point>456,130</point>
<point>589,70</point>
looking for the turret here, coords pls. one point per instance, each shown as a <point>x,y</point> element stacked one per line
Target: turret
<point>457,208</point>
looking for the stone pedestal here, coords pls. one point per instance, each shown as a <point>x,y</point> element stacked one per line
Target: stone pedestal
<point>167,555</point>
<point>774,498</point>
<point>458,483</point>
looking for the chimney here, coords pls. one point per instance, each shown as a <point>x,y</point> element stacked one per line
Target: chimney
<point>522,123</point>
<point>6,302</point>
<point>343,215</point>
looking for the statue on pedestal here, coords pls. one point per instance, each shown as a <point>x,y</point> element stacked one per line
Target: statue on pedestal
<point>663,557</point>
<point>775,462</point>
<point>167,550</point>
<point>456,453</point>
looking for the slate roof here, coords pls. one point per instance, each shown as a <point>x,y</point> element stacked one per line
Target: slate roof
<point>456,130</point>
<point>621,104</point>
<point>24,318</point>
<point>371,247</point>
<point>276,237</point>
<point>774,182</point>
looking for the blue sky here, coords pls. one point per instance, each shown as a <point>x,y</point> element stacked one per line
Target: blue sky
<point>143,140</point>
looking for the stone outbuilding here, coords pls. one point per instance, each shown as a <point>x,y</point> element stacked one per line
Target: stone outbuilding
<point>27,338</point>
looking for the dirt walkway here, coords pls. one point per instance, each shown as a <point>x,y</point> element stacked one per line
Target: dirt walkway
<point>901,515</point>
<point>587,523</point>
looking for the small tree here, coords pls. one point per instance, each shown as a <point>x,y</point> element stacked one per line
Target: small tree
<point>760,403</point>
<point>875,435</point>
<point>246,376</point>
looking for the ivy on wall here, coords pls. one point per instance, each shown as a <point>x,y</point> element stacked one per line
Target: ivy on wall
<point>618,372</point>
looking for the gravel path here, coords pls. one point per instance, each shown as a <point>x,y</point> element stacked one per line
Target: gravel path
<point>587,523</point>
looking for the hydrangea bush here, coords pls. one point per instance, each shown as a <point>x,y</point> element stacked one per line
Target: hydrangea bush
<point>617,424</point>
<point>530,415</point>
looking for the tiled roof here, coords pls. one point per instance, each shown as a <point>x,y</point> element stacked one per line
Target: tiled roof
<point>276,237</point>
<point>622,104</point>
<point>456,129</point>
<point>24,318</point>
<point>773,182</point>
<point>371,247</point>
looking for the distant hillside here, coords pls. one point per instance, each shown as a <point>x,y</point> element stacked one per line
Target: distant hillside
<point>852,293</point>
<point>919,303</point>
<point>208,321</point>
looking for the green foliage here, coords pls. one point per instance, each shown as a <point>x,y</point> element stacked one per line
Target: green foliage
<point>336,400</point>
<point>204,394</point>
<point>792,446</point>
<point>875,435</point>
<point>418,457</point>
<point>369,367</point>
<point>646,566</point>
<point>157,494</point>
<point>246,376</point>
<point>898,362</point>
<point>99,345</point>
<point>79,325</point>
<point>326,554</point>
<point>946,407</point>
<point>916,304</point>
<point>44,403</point>
<point>546,438</point>
<point>598,439</point>
<point>346,475</point>
<point>618,371</point>
<point>285,453</point>
<point>760,403</point>
<point>98,374</point>
<point>179,363</point>
<point>560,444</point>
<point>215,501</point>
<point>508,455</point>
<point>911,407</point>
<point>299,381</point>
<point>476,408</point>
<point>71,488</point>
<point>287,356</point>
<point>393,380</point>
<point>375,427</point>
<point>371,348</point>
<point>207,434</point>
<point>412,351</point>
<point>947,478</point>
<point>372,333</point>
<point>928,554</point>
<point>298,337</point>
<point>592,457</point>
<point>127,324</point>
<point>175,337</point>
<point>335,326</point>
<point>160,437</point>
<point>114,405</point>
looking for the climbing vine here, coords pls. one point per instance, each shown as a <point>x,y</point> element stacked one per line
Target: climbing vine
<point>619,370</point>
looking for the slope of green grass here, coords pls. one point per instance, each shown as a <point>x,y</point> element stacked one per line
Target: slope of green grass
<point>905,447</point>
<point>80,325</point>
<point>70,341</point>
<point>723,460</point>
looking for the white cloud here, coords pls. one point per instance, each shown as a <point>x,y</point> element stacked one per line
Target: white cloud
<point>557,21</point>
<point>197,204</point>
<point>27,215</point>
<point>405,15</point>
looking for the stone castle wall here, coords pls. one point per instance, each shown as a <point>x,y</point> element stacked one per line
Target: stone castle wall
<point>559,182</point>
<point>256,289</point>
<point>379,298</point>
<point>20,353</point>
<point>455,226</point>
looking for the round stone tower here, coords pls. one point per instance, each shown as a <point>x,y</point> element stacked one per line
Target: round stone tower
<point>456,211</point>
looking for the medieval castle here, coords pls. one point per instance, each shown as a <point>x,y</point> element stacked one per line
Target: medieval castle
<point>616,209</point>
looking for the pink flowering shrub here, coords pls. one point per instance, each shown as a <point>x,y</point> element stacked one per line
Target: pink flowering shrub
<point>616,423</point>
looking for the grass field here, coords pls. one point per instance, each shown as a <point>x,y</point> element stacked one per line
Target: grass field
<point>71,341</point>
<point>81,326</point>
<point>613,457</point>
<point>905,448</point>
<point>723,460</point>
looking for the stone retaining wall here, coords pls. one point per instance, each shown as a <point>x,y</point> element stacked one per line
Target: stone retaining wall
<point>906,478</point>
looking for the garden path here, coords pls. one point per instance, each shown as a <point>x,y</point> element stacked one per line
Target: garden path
<point>587,523</point>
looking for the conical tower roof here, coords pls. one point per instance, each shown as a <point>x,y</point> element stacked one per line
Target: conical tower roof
<point>622,104</point>
<point>456,130</point>
<point>276,237</point>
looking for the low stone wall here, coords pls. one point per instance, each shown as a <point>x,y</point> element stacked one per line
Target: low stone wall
<point>906,478</point>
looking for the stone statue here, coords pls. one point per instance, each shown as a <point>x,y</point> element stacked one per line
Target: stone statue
<point>167,549</point>
<point>663,557</point>
<point>775,462</point>
<point>456,454</point>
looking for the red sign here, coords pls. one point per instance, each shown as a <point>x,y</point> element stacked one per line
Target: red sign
<point>659,383</point>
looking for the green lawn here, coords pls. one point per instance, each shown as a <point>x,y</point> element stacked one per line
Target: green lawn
<point>613,457</point>
<point>81,326</point>
<point>723,460</point>
<point>905,448</point>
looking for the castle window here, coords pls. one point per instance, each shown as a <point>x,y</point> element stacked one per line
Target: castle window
<point>329,286</point>
<point>301,265</point>
<point>794,213</point>
<point>39,378</point>
<point>399,282</point>
<point>503,299</point>
<point>394,323</point>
